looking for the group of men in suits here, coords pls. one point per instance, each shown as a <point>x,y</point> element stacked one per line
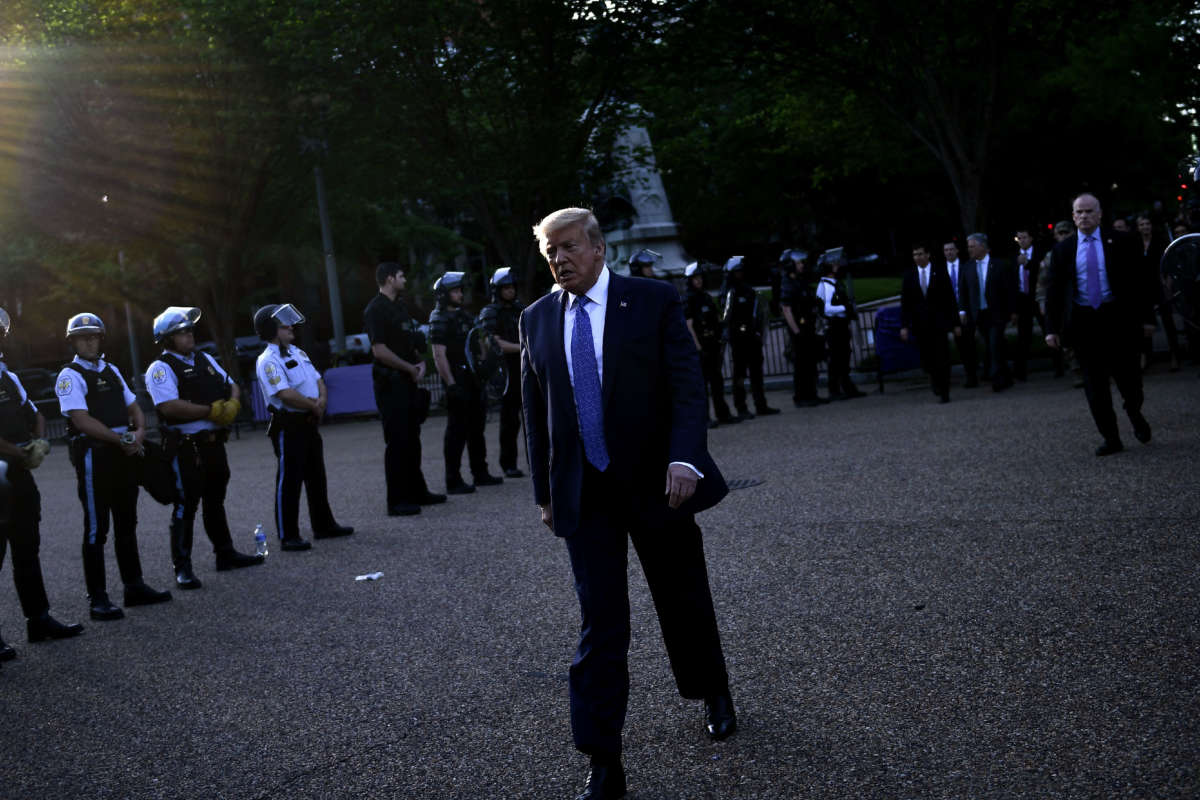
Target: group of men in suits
<point>1098,301</point>
<point>979,295</point>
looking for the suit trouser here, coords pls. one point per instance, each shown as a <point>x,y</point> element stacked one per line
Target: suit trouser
<point>201,478</point>
<point>510,414</point>
<point>967,352</point>
<point>395,397</point>
<point>1027,312</point>
<point>672,558</point>
<point>300,461</point>
<point>22,534</point>
<point>746,351</point>
<point>466,417</point>
<point>804,365</point>
<point>995,347</point>
<point>714,381</point>
<point>935,357</point>
<point>107,483</point>
<point>1107,347</point>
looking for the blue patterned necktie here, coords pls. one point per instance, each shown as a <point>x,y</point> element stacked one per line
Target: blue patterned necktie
<point>588,399</point>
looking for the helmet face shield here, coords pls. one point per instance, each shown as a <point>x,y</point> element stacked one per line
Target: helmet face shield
<point>5,322</point>
<point>175,319</point>
<point>503,277</point>
<point>287,315</point>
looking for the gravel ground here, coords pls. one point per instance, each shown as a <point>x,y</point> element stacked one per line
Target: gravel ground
<point>918,601</point>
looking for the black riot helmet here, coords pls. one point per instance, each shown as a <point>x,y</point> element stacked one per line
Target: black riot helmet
<point>641,260</point>
<point>501,278</point>
<point>268,319</point>
<point>173,320</point>
<point>792,259</point>
<point>448,281</point>
<point>84,323</point>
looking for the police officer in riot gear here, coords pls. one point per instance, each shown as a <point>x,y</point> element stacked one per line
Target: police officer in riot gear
<point>466,408</point>
<point>500,318</point>
<point>838,309</point>
<point>396,372</point>
<point>296,397</point>
<point>704,323</point>
<point>799,306</point>
<point>22,448</point>
<point>106,428</point>
<point>196,401</point>
<point>744,319</point>
<point>641,264</point>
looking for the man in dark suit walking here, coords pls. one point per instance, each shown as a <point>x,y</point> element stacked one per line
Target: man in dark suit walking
<point>990,304</point>
<point>1029,258</point>
<point>612,387</point>
<point>1101,304</point>
<point>964,337</point>
<point>928,313</point>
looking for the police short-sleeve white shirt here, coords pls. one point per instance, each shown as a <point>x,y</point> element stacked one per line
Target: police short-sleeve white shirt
<point>163,386</point>
<point>71,389</point>
<point>293,371</point>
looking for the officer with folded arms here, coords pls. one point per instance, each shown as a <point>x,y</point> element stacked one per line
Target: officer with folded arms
<point>296,398</point>
<point>22,448</point>
<point>466,406</point>
<point>196,401</point>
<point>106,428</point>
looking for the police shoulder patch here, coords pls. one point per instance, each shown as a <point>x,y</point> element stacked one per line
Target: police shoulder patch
<point>64,387</point>
<point>270,369</point>
<point>159,376</point>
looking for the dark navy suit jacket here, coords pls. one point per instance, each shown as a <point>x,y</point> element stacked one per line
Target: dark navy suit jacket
<point>1133,288</point>
<point>655,409</point>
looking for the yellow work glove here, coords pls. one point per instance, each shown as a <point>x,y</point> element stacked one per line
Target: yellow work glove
<point>216,411</point>
<point>36,452</point>
<point>232,407</point>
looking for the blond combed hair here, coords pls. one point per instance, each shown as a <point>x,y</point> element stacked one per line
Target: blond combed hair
<point>564,218</point>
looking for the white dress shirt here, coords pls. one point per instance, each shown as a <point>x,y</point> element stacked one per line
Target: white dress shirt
<point>72,390</point>
<point>164,387</point>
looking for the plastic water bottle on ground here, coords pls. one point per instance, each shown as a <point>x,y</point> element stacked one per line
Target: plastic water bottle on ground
<point>260,541</point>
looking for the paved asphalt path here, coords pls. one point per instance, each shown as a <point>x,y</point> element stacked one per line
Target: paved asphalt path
<point>919,601</point>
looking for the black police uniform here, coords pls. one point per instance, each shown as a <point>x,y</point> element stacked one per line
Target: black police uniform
<point>837,338</point>
<point>801,297</point>
<point>502,319</point>
<point>388,322</point>
<point>701,310</point>
<point>466,407</point>
<point>107,479</point>
<point>200,463</point>
<point>21,532</point>
<point>746,345</point>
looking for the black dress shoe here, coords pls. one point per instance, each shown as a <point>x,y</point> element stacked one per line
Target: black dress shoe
<point>604,783</point>
<point>403,510</point>
<point>729,420</point>
<point>1141,428</point>
<point>334,532</point>
<point>139,594</point>
<point>103,609</point>
<point>744,415</point>
<point>232,559</point>
<point>431,499</point>
<point>460,488</point>
<point>720,721</point>
<point>712,423</point>
<point>6,652</point>
<point>513,473</point>
<point>1109,447</point>
<point>185,579</point>
<point>971,383</point>
<point>47,627</point>
<point>296,544</point>
<point>766,411</point>
<point>945,398</point>
<point>488,480</point>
